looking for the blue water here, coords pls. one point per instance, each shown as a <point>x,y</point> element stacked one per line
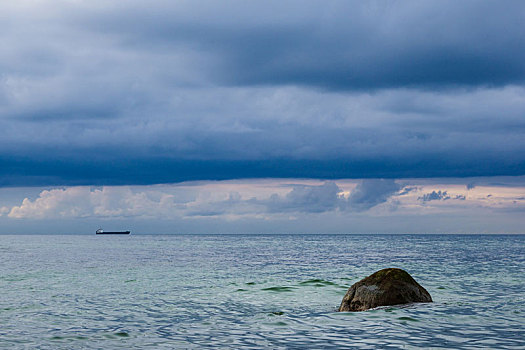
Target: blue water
<point>243,291</point>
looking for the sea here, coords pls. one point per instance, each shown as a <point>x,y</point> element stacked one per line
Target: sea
<point>256,291</point>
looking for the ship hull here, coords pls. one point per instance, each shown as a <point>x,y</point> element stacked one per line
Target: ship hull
<point>113,233</point>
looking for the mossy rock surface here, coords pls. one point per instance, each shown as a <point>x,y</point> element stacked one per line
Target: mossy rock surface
<point>383,288</point>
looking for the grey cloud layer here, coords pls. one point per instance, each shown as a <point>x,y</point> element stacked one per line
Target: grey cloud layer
<point>272,205</point>
<point>340,45</point>
<point>310,199</point>
<point>370,193</point>
<point>169,91</point>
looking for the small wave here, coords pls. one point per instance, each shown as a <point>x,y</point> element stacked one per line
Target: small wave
<point>276,313</point>
<point>406,318</point>
<point>279,289</point>
<point>75,337</point>
<point>317,283</point>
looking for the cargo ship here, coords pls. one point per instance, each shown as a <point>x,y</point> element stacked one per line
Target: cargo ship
<point>102,232</point>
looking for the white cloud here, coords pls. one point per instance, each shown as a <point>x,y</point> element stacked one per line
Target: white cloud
<point>4,210</point>
<point>268,200</point>
<point>78,202</point>
<point>69,202</point>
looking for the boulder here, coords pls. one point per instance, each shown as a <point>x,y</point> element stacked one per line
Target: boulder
<point>385,287</point>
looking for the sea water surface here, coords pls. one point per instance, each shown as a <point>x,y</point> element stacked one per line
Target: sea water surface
<point>256,291</point>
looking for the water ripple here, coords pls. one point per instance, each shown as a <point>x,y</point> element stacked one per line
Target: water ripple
<point>63,292</point>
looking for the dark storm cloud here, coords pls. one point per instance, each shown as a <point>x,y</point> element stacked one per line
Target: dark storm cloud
<point>370,193</point>
<point>340,45</point>
<point>435,196</point>
<point>105,93</point>
<point>304,198</point>
<point>328,197</point>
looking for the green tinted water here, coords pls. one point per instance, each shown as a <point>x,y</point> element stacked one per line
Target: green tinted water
<point>103,292</point>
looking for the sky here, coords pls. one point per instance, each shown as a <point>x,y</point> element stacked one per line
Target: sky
<point>262,116</point>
